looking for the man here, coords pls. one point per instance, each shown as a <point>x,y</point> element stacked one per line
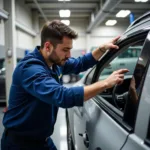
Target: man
<point>37,91</point>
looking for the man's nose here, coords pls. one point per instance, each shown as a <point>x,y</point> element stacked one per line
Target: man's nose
<point>68,55</point>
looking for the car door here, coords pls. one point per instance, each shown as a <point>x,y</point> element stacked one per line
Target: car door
<point>77,121</point>
<point>139,139</point>
<point>99,123</point>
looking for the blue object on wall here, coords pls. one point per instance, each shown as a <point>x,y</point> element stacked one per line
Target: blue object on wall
<point>131,17</point>
<point>26,52</point>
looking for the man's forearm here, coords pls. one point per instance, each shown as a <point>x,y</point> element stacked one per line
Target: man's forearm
<point>93,89</point>
<point>98,53</point>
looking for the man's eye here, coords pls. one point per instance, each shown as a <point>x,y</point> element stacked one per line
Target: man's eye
<point>65,50</point>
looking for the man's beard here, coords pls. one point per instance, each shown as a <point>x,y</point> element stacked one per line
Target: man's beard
<point>53,58</point>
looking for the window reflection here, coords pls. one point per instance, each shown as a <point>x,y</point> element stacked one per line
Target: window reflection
<point>134,93</point>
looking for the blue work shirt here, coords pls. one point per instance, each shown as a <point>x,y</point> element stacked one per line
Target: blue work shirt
<point>36,93</point>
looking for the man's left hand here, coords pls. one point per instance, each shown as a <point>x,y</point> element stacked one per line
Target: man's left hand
<point>110,45</point>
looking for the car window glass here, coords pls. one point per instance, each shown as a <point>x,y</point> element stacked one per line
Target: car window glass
<point>126,58</point>
<point>136,85</point>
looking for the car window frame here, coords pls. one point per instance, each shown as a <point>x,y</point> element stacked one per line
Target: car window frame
<point>104,105</point>
<point>147,139</point>
<point>89,77</point>
<point>144,56</point>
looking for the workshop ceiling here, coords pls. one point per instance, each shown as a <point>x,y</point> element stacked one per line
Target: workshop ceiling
<point>82,10</point>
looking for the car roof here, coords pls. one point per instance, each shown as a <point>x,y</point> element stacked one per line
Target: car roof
<point>140,25</point>
<point>140,19</point>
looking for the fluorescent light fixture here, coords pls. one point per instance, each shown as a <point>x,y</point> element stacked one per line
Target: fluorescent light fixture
<point>67,22</point>
<point>64,13</point>
<point>64,0</point>
<point>111,22</point>
<point>141,1</point>
<point>144,0</point>
<point>123,13</point>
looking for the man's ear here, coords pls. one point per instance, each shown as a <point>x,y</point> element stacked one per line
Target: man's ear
<point>48,46</point>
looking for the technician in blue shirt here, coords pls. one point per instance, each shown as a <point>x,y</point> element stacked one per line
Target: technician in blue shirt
<point>37,92</point>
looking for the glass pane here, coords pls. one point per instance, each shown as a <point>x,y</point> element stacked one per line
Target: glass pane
<point>127,59</point>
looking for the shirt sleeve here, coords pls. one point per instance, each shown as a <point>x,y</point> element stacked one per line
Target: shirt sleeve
<point>39,83</point>
<point>79,65</point>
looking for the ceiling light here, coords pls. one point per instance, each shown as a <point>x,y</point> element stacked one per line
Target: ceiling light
<point>123,13</point>
<point>111,22</point>
<point>66,22</point>
<point>64,13</point>
<point>144,0</point>
<point>64,0</point>
<point>141,1</point>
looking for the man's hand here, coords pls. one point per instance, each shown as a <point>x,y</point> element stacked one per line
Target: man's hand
<point>109,45</point>
<point>116,77</point>
<point>102,49</point>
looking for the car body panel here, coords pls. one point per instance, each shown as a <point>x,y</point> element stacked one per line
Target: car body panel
<point>104,130</point>
<point>135,143</point>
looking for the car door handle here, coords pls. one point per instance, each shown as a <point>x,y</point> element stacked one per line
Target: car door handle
<point>98,148</point>
<point>85,139</point>
<point>122,64</point>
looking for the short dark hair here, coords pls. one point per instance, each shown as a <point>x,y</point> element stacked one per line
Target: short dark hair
<point>54,31</point>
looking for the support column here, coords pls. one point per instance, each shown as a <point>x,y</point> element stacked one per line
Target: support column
<point>10,44</point>
<point>35,26</point>
<point>35,18</point>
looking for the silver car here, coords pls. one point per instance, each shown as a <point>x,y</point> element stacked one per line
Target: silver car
<point>119,117</point>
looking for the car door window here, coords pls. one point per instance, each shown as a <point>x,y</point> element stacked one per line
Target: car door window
<point>126,58</point>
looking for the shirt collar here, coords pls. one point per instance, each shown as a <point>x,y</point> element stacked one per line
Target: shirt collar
<point>38,54</point>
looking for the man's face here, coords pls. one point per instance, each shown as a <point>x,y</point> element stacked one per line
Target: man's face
<point>61,53</point>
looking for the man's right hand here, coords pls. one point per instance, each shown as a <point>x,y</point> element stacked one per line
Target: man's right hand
<point>116,77</point>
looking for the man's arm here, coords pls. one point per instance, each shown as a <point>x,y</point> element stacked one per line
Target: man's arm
<point>103,48</point>
<point>116,77</point>
<point>88,60</point>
